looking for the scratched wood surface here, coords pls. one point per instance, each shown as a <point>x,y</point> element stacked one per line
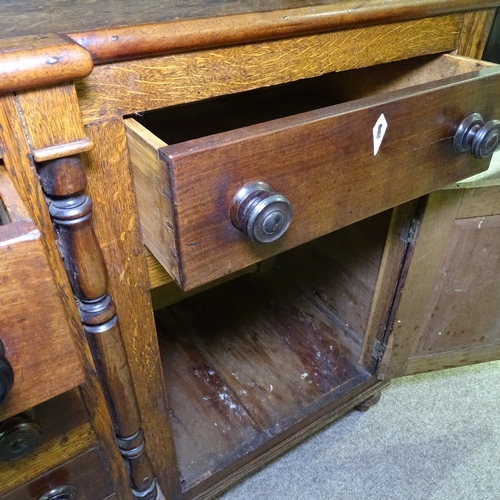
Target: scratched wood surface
<point>338,272</point>
<point>249,360</point>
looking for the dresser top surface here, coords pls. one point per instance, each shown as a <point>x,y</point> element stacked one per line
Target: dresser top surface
<point>40,17</point>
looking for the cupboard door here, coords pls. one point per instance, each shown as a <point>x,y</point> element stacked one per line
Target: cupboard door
<point>451,296</point>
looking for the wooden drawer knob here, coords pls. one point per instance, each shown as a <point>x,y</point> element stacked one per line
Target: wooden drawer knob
<point>64,492</point>
<point>6,375</point>
<point>19,436</point>
<point>261,213</point>
<point>476,136</point>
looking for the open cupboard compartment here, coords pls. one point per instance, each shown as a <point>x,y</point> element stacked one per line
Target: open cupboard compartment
<point>259,362</point>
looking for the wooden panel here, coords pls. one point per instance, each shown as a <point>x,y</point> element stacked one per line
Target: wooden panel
<point>459,357</point>
<point>85,472</point>
<point>157,274</point>
<point>475,31</point>
<point>208,419</point>
<point>461,310</point>
<point>135,86</point>
<point>338,272</point>
<point>288,370</point>
<point>322,146</point>
<point>479,202</point>
<point>143,147</point>
<point>392,268</point>
<point>424,265</point>
<point>47,133</point>
<point>31,332</point>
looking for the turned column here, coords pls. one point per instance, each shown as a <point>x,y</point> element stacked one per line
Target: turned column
<point>64,181</point>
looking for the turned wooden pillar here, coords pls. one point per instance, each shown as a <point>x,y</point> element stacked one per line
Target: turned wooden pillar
<point>57,138</point>
<point>64,181</point>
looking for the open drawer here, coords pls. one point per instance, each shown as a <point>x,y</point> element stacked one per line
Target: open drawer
<point>38,352</point>
<point>332,150</point>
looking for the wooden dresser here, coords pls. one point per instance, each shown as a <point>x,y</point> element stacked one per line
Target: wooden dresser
<point>216,229</point>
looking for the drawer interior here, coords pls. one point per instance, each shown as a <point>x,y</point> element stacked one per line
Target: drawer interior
<point>184,122</point>
<point>260,359</point>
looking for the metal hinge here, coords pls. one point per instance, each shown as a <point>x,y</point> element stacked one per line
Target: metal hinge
<point>379,350</point>
<point>410,232</point>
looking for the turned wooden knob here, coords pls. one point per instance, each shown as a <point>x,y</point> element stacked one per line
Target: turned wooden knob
<point>261,213</point>
<point>476,136</point>
<point>64,492</point>
<point>19,436</point>
<point>6,375</point>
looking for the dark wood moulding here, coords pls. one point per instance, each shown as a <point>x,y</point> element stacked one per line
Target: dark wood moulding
<point>108,44</point>
<point>36,60</point>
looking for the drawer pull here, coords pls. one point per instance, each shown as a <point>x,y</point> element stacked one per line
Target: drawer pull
<point>6,375</point>
<point>64,492</point>
<point>19,436</point>
<point>476,136</point>
<point>261,213</point>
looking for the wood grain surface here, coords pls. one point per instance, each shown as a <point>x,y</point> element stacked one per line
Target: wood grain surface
<point>47,456</point>
<point>35,17</point>
<point>135,86</point>
<point>26,324</point>
<point>424,266</point>
<point>245,364</point>
<point>479,202</point>
<point>184,35</point>
<point>465,293</point>
<point>71,418</point>
<point>85,472</point>
<point>110,187</point>
<point>475,32</point>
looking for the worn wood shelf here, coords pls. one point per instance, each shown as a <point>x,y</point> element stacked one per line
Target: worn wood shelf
<point>260,359</point>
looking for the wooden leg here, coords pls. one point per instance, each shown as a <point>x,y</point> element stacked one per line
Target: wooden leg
<point>367,404</point>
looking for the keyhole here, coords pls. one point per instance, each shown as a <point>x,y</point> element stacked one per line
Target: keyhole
<point>379,131</point>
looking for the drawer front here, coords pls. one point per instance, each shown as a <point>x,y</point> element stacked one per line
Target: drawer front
<point>34,328</point>
<point>81,478</point>
<point>40,439</point>
<point>322,161</point>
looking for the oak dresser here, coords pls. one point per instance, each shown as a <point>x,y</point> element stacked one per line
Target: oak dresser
<point>216,233</point>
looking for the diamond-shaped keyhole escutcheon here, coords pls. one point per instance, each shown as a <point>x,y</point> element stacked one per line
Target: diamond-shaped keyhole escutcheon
<point>379,130</point>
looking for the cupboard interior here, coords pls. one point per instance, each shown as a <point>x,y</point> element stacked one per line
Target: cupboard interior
<point>252,362</point>
<point>184,122</point>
